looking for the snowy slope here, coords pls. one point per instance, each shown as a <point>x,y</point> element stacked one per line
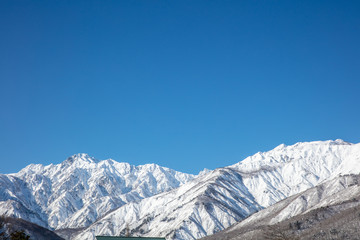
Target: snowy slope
<point>102,197</point>
<point>80,190</point>
<point>204,206</point>
<point>287,170</point>
<point>329,198</point>
<point>213,202</point>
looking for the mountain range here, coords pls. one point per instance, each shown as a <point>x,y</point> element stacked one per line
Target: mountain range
<point>83,197</point>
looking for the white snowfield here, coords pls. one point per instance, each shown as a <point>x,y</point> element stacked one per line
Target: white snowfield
<point>103,197</point>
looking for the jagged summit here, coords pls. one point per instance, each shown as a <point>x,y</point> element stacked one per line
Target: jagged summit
<point>313,143</point>
<point>81,157</point>
<point>340,141</point>
<point>81,189</point>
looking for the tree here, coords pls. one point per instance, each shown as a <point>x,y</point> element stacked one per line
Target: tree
<point>3,235</point>
<point>275,232</point>
<point>19,235</point>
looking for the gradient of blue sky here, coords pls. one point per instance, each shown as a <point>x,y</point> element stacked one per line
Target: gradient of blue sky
<point>184,84</point>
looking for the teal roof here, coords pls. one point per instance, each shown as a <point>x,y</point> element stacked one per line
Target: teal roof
<point>126,238</point>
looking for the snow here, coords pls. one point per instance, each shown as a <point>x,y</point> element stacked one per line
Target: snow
<point>81,189</point>
<point>103,196</point>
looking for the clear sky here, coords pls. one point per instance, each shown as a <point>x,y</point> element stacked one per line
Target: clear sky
<point>184,84</point>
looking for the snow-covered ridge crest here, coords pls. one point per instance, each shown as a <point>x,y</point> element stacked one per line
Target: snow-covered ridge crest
<point>287,170</point>
<point>91,194</point>
<point>81,157</point>
<point>81,189</point>
<point>262,158</point>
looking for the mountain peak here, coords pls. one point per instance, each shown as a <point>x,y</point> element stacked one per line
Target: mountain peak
<point>328,142</point>
<point>280,147</point>
<point>341,142</point>
<point>81,157</point>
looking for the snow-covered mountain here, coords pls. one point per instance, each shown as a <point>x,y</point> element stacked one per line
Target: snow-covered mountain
<point>104,197</point>
<point>287,170</point>
<point>201,207</point>
<point>306,215</point>
<point>80,190</point>
<point>220,198</point>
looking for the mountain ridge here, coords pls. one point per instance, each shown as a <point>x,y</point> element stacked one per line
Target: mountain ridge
<point>300,216</point>
<point>156,200</point>
<point>64,185</point>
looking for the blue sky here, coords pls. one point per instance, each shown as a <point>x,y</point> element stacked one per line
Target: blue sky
<point>184,84</point>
